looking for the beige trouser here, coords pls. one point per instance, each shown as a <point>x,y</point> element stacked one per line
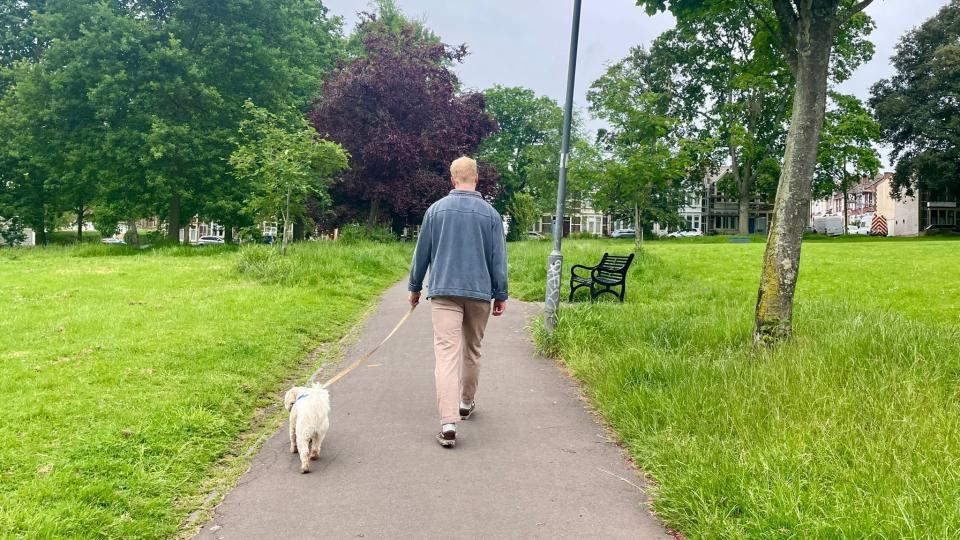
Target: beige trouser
<point>458,325</point>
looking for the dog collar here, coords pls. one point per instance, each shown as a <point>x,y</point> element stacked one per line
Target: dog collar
<point>301,396</point>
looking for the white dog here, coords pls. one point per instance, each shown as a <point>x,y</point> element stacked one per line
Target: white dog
<point>309,421</point>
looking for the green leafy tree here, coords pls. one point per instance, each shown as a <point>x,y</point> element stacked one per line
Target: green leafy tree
<point>524,213</point>
<point>846,148</point>
<point>649,163</point>
<point>140,100</point>
<point>809,34</point>
<point>727,82</point>
<point>283,160</point>
<point>526,149</point>
<point>918,108</point>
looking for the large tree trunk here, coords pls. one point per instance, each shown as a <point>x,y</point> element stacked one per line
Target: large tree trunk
<point>846,211</point>
<point>299,228</point>
<point>173,221</point>
<point>228,233</point>
<point>374,213</point>
<point>287,227</point>
<point>743,227</point>
<point>80,213</point>
<point>637,229</point>
<point>133,232</point>
<point>742,181</point>
<point>781,261</point>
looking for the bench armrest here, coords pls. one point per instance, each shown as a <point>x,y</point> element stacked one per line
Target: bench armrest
<point>574,268</point>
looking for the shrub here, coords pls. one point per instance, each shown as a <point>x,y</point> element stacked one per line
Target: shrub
<point>11,232</point>
<point>66,238</point>
<point>360,233</point>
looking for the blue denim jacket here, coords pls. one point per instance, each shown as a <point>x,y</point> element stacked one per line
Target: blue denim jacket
<point>461,241</point>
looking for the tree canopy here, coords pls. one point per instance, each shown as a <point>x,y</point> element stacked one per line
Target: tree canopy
<point>650,166</point>
<point>130,107</point>
<point>398,111</point>
<point>281,160</point>
<point>918,107</point>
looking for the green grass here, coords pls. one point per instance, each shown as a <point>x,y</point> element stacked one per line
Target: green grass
<point>852,430</point>
<point>124,380</point>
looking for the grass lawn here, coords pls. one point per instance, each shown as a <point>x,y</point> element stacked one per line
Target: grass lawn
<point>851,430</point>
<point>125,379</point>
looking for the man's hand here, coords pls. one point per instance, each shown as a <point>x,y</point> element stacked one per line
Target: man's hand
<point>499,306</point>
<point>414,298</point>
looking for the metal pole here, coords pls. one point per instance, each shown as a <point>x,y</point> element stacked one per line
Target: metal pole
<point>555,261</point>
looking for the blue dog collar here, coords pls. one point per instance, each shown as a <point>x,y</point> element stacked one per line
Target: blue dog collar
<point>301,396</point>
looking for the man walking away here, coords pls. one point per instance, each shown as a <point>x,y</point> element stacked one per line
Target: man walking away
<point>462,242</point>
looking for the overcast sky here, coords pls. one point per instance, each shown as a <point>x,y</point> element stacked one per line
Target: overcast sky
<point>525,42</point>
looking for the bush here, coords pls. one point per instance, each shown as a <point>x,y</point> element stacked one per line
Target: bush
<point>360,233</point>
<point>66,238</point>
<point>11,232</point>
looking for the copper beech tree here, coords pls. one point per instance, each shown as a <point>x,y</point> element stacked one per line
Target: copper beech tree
<point>808,32</point>
<point>396,108</point>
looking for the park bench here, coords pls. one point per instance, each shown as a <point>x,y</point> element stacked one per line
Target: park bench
<point>604,277</point>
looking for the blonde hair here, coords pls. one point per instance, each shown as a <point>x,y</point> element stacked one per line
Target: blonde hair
<point>464,170</point>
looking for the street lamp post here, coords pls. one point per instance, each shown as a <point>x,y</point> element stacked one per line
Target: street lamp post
<point>555,260</point>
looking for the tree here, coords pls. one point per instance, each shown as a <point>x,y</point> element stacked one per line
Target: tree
<point>918,107</point>
<point>526,148</point>
<point>728,82</point>
<point>809,32</point>
<point>524,213</point>
<point>846,149</point>
<point>142,98</point>
<point>282,161</point>
<point>397,111</point>
<point>649,162</point>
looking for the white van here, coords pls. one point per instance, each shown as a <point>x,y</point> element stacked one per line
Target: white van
<point>829,225</point>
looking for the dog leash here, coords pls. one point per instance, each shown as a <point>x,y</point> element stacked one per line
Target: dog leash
<point>343,372</point>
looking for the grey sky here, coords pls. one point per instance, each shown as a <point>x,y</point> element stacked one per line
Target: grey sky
<point>524,42</point>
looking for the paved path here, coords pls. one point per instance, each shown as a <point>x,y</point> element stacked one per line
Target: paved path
<point>531,463</point>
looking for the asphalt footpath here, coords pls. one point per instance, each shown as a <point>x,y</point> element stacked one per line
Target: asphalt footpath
<point>532,462</point>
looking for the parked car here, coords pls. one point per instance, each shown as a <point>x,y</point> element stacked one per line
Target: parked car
<point>534,235</point>
<point>112,240</point>
<point>209,241</point>
<point>856,229</point>
<point>623,233</point>
<point>688,233</point>
<point>809,230</point>
<point>933,230</point>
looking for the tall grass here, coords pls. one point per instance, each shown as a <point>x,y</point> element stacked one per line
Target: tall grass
<point>125,379</point>
<point>851,430</point>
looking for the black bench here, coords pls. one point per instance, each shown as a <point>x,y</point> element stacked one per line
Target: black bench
<point>604,277</point>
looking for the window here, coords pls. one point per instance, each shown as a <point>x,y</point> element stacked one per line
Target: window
<point>725,222</point>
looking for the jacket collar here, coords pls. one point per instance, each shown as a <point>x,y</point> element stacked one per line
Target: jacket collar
<point>466,192</point>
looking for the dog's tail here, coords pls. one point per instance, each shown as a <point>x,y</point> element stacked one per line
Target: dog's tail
<point>319,390</point>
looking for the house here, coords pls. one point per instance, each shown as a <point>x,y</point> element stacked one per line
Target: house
<point>580,218</point>
<point>721,214</point>
<point>903,215</point>
<point>873,197</point>
<point>708,210</point>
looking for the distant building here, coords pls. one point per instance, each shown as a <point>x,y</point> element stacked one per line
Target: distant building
<point>581,218</point>
<point>709,211</point>
<point>903,215</point>
<point>906,216</point>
